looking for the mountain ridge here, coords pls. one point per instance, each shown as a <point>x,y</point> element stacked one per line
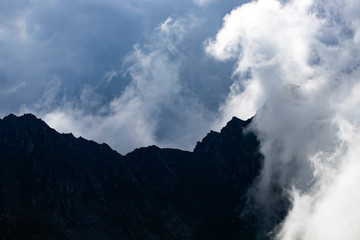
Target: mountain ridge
<point>56,186</point>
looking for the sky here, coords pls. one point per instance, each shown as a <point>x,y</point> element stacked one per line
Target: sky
<point>165,72</point>
<point>128,73</point>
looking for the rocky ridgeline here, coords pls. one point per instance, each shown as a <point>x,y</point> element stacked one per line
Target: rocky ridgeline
<point>56,186</point>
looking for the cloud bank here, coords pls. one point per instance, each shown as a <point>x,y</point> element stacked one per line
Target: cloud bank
<point>298,66</point>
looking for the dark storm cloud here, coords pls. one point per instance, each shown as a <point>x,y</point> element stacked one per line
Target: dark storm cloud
<point>75,41</point>
<point>79,41</point>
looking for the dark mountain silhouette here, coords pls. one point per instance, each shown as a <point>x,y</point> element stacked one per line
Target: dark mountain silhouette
<point>56,186</point>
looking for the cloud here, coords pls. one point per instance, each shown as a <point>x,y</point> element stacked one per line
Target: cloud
<point>76,41</point>
<point>298,67</point>
<point>203,2</point>
<point>153,108</point>
<point>330,210</point>
<point>76,59</point>
<point>265,51</point>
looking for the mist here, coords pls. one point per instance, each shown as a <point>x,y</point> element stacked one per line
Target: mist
<point>298,69</point>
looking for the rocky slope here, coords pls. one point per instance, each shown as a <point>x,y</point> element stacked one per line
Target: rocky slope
<point>56,186</point>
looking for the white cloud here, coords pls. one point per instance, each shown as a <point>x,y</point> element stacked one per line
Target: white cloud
<point>271,40</point>
<point>330,211</point>
<point>298,62</point>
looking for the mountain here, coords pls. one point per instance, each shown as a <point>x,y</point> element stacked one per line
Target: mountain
<point>57,186</point>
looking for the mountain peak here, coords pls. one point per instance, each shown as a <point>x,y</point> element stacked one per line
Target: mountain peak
<point>27,121</point>
<point>28,116</point>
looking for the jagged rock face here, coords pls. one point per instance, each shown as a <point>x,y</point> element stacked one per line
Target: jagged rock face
<point>56,186</point>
